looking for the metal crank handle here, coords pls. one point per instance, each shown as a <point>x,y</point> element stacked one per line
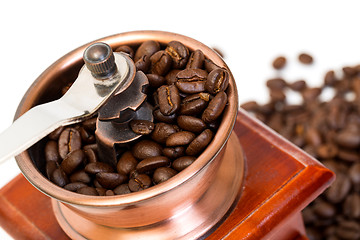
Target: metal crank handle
<point>105,74</point>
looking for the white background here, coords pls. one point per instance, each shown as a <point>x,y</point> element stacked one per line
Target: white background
<point>35,33</point>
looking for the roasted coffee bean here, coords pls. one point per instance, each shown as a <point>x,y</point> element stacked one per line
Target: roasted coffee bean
<point>305,58</point>
<point>126,163</point>
<point>101,191</point>
<point>279,62</point>
<point>91,155</point>
<point>69,140</point>
<point>349,71</point>
<point>191,80</point>
<point>54,135</point>
<point>110,180</point>
<point>324,209</point>
<point>147,48</point>
<point>348,155</point>
<point>162,131</point>
<point>194,104</point>
<point>122,189</point>
<point>160,63</point>
<point>125,49</point>
<point>109,193</point>
<point>163,174</point>
<point>145,149</point>
<point>210,65</point>
<point>354,173</point>
<point>180,138</point>
<point>143,64</point>
<point>52,152</point>
<point>155,80</point>
<point>199,143</point>
<point>181,163</point>
<point>174,152</point>
<point>50,167</point>
<point>163,118</point>
<point>217,80</point>
<point>152,163</point>
<point>215,108</point>
<point>142,127</point>
<point>196,59</point>
<point>327,151</point>
<point>276,84</point>
<point>348,230</point>
<point>89,124</point>
<point>311,94</point>
<point>139,183</point>
<point>59,177</point>
<point>85,136</point>
<point>190,123</point>
<point>351,206</point>
<point>179,54</point>
<point>339,189</point>
<point>330,79</point>
<point>88,191</point>
<point>348,139</point>
<point>80,176</point>
<point>74,186</point>
<point>72,161</point>
<point>97,167</point>
<point>171,76</point>
<point>169,99</point>
<point>298,85</point>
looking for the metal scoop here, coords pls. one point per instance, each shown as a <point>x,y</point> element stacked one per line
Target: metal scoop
<point>105,73</point>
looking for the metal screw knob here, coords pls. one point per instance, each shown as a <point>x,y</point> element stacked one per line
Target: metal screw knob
<point>100,60</point>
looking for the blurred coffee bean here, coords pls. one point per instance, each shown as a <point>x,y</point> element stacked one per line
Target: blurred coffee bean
<point>305,58</point>
<point>122,189</point>
<point>339,189</point>
<point>88,191</point>
<point>279,62</point>
<point>74,186</point>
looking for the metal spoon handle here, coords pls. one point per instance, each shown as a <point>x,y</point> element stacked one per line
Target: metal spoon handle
<point>34,125</point>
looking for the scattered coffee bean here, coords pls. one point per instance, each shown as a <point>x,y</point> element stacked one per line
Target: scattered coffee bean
<point>279,62</point>
<point>305,58</point>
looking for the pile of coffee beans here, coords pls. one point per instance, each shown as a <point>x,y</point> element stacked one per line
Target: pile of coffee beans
<point>188,95</point>
<point>328,130</point>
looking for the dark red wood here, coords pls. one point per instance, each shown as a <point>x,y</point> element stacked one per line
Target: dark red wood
<point>280,180</point>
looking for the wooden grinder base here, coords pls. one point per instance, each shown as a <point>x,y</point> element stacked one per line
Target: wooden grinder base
<point>280,180</point>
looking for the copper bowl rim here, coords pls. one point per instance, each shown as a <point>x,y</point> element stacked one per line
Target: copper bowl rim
<point>44,185</point>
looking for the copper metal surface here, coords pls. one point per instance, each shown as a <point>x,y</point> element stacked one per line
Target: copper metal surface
<point>161,206</point>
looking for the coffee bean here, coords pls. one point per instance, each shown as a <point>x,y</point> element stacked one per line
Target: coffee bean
<point>143,64</point>
<point>348,230</point>
<point>215,108</point>
<point>199,143</point>
<point>155,80</point>
<point>191,80</point>
<point>163,118</point>
<point>91,155</point>
<point>174,152</point>
<point>327,151</point>
<point>324,209</point>
<point>56,133</point>
<point>80,176</point>
<point>339,189</point>
<point>194,104</point>
<point>180,138</point>
<point>279,62</point>
<point>169,99</point>
<point>69,140</point>
<point>298,86</point>
<point>110,180</point>
<point>85,136</point>
<point>210,65</point>
<point>50,167</point>
<point>145,149</point>
<point>305,58</point>
<point>125,49</point>
<point>217,80</point>
<point>152,163</point>
<point>276,84</point>
<point>196,60</point>
<point>88,191</point>
<point>139,183</point>
<point>109,193</point>
<point>72,161</point>
<point>74,186</point>
<point>147,48</point>
<point>126,163</point>
<point>163,174</point>
<point>162,131</point>
<point>351,206</point>
<point>51,151</point>
<point>348,139</point>
<point>190,123</point>
<point>142,127</point>
<point>171,76</point>
<point>59,177</point>
<point>97,167</point>
<point>354,173</point>
<point>122,189</point>
<point>330,78</point>
<point>181,163</point>
<point>179,54</point>
<point>160,63</point>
